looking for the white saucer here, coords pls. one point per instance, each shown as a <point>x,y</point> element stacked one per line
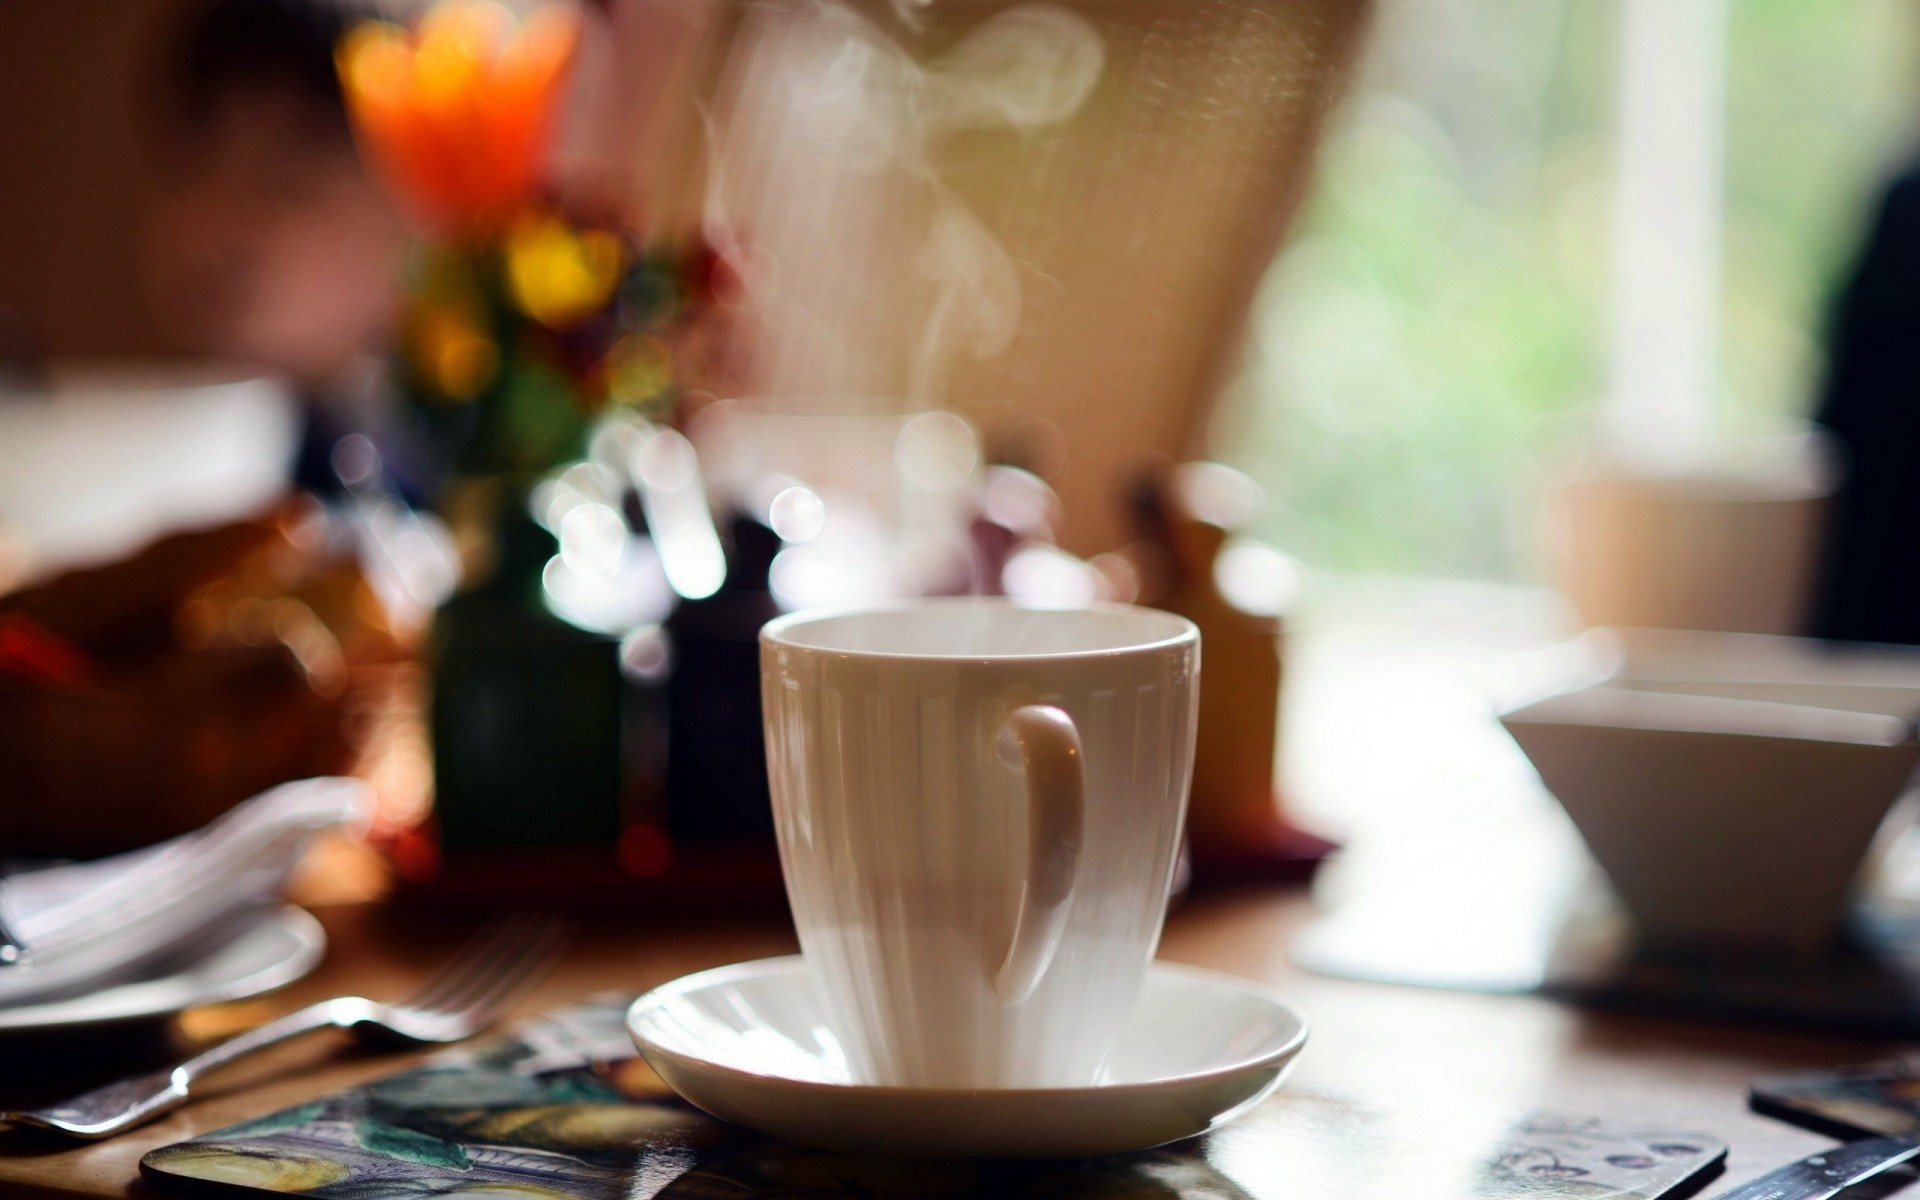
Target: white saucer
<point>746,1044</point>
<point>258,954</point>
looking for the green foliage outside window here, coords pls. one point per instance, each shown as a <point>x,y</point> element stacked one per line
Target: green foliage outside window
<point>1436,334</point>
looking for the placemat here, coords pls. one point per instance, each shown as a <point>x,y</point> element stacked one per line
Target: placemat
<point>560,1107</point>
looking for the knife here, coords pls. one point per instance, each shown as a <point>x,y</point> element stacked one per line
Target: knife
<point>1828,1173</point>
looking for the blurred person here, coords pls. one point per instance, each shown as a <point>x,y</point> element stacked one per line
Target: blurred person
<point>1870,403</point>
<point>267,240</point>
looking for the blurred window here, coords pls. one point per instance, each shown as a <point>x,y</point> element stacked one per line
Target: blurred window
<point>1440,327</point>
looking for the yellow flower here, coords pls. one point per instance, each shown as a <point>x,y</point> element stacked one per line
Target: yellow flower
<point>449,352</point>
<point>557,274</point>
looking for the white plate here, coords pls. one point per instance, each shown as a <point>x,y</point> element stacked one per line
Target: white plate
<point>112,455</point>
<point>266,952</point>
<point>746,1043</point>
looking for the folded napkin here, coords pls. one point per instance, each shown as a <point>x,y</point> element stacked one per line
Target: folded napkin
<point>91,923</point>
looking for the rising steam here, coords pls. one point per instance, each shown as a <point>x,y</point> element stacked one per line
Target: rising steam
<point>872,277</point>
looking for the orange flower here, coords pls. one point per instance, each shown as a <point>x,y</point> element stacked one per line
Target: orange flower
<point>458,114</point>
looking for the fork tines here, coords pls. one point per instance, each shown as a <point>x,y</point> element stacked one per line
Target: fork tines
<point>493,967</point>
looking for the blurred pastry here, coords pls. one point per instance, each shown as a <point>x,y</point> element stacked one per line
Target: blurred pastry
<point>142,698</point>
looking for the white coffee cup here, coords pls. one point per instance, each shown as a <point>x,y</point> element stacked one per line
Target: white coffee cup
<point>979,808</point>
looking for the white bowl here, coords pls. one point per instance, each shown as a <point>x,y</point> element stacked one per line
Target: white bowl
<point>1730,784</point>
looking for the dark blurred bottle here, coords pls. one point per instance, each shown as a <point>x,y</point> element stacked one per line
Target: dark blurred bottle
<point>526,709</point>
<point>1186,517</point>
<point>717,760</point>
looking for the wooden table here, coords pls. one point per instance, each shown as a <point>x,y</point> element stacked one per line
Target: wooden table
<point>1374,1047</point>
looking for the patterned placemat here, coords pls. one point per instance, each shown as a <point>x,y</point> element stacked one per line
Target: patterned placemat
<point>559,1107</point>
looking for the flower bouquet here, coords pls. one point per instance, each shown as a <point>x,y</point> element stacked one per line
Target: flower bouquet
<point>526,318</point>
<point>529,318</point>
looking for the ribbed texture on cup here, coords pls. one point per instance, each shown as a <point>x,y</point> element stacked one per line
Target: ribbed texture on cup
<point>904,840</point>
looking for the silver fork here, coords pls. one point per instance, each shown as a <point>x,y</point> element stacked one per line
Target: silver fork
<point>463,998</point>
<point>12,949</point>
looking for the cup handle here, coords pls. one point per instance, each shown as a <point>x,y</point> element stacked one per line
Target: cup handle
<point>1042,741</point>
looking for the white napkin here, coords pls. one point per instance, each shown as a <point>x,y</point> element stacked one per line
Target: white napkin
<point>89,923</point>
